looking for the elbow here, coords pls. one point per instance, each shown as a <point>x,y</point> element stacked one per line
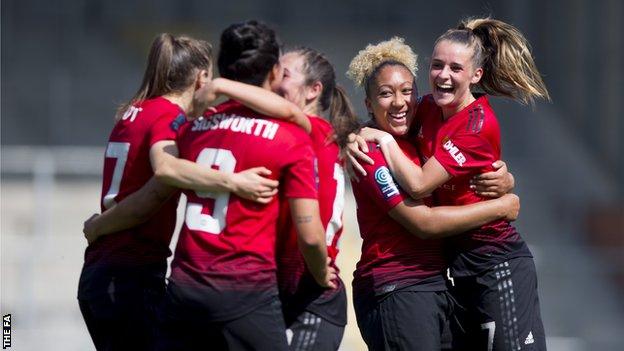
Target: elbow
<point>310,241</point>
<point>417,192</point>
<point>163,172</point>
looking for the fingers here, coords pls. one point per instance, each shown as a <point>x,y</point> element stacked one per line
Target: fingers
<point>485,182</point>
<point>270,183</point>
<point>490,194</point>
<point>487,176</point>
<point>499,164</point>
<point>362,145</point>
<point>356,165</point>
<point>263,171</point>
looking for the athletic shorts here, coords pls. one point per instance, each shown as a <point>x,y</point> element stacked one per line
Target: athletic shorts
<point>310,331</point>
<point>499,309</point>
<point>185,328</point>
<point>124,320</point>
<point>405,320</point>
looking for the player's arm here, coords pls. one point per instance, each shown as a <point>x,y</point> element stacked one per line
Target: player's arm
<point>133,210</point>
<point>251,184</point>
<point>311,240</point>
<point>438,222</point>
<point>419,182</point>
<point>262,101</point>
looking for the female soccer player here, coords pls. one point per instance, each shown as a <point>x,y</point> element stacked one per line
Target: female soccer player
<point>399,289</point>
<point>223,289</point>
<point>459,136</point>
<point>123,274</point>
<point>315,317</point>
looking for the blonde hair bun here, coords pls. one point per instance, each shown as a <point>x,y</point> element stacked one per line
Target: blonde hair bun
<point>367,60</point>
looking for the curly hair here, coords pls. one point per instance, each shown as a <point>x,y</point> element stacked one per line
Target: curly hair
<point>367,62</point>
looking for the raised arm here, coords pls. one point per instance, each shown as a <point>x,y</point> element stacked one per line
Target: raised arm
<point>438,222</point>
<point>263,101</point>
<point>250,184</point>
<point>311,240</point>
<point>418,182</point>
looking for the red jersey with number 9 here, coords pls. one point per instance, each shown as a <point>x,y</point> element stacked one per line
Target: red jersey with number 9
<point>225,258</point>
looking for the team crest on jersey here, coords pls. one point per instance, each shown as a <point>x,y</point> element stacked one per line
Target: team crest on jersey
<point>178,122</point>
<point>453,150</point>
<point>386,184</point>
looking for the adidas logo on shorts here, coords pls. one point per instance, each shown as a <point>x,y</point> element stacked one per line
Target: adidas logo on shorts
<point>529,339</point>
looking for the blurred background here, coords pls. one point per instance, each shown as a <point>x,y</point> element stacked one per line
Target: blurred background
<point>66,65</point>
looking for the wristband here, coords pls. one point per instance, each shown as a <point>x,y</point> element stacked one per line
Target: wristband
<point>387,138</point>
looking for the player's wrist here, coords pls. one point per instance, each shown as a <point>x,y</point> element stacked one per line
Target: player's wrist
<point>386,139</point>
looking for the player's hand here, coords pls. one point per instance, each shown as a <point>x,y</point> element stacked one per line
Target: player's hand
<point>512,203</point>
<point>493,184</point>
<point>89,229</point>
<point>330,277</point>
<point>252,184</point>
<point>355,152</point>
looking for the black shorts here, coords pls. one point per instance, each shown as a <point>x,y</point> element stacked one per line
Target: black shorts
<point>405,320</point>
<point>124,320</point>
<point>310,331</point>
<point>499,309</point>
<point>185,328</point>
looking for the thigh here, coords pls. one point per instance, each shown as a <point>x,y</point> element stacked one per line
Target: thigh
<point>182,328</point>
<point>504,311</point>
<point>368,319</point>
<point>415,320</point>
<point>312,332</point>
<point>261,329</point>
<point>120,322</point>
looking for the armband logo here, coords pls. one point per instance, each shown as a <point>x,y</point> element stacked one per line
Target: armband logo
<point>386,184</point>
<point>178,122</point>
<point>448,145</point>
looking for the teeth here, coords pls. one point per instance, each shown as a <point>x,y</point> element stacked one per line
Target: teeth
<point>445,86</point>
<point>398,115</point>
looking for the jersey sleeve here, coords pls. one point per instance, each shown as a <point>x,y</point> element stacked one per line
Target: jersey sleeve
<point>465,153</point>
<point>379,183</point>
<point>165,127</point>
<point>299,175</point>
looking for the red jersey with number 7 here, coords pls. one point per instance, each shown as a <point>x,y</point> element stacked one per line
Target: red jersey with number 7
<point>225,258</point>
<point>127,168</point>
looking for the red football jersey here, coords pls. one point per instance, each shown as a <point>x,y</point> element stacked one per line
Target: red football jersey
<point>127,168</point>
<point>331,188</point>
<point>225,258</point>
<point>392,257</point>
<point>466,144</point>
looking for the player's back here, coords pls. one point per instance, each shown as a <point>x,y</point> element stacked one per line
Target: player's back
<point>127,168</point>
<point>226,250</point>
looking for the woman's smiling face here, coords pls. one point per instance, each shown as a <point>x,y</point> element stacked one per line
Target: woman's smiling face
<point>391,99</point>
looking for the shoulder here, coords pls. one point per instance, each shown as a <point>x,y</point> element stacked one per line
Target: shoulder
<point>480,116</point>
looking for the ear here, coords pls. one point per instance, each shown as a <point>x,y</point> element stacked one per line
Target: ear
<point>368,104</point>
<point>276,72</point>
<point>203,77</point>
<point>314,91</point>
<point>476,76</point>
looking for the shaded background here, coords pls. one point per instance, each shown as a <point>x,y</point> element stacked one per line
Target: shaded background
<point>66,65</point>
